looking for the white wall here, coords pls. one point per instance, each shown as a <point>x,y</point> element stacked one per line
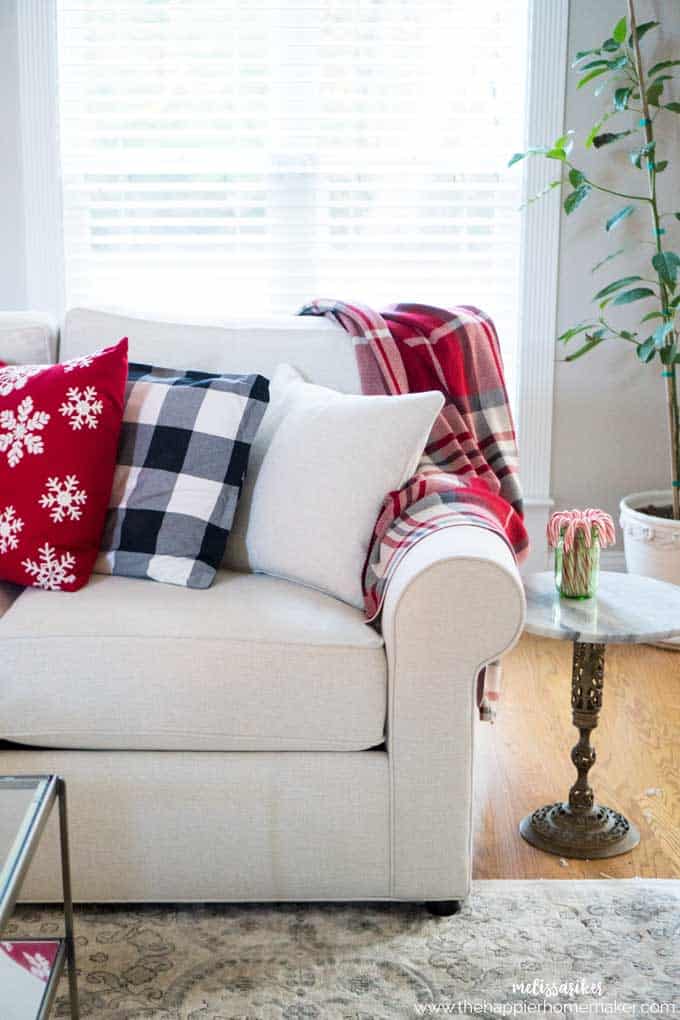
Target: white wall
<point>609,433</point>
<point>12,277</point>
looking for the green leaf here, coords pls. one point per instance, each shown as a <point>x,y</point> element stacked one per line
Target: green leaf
<point>620,29</point>
<point>566,142</point>
<point>645,150</point>
<point>542,193</point>
<point>620,62</point>
<point>616,285</point>
<point>610,45</point>
<point>556,153</point>
<point>622,214</point>
<point>673,107</point>
<point>636,294</point>
<point>621,97</point>
<point>608,137</point>
<point>595,63</point>
<point>677,215</point>
<point>595,129</point>
<point>668,354</point>
<point>660,333</point>
<point>591,74</point>
<point>662,67</point>
<point>582,54</point>
<point>606,259</point>
<point>676,301</point>
<point>651,315</point>
<point>654,92</point>
<point>576,177</point>
<point>591,342</point>
<point>569,334</point>
<point>642,30</point>
<point>533,150</point>
<point>646,351</point>
<point>666,264</point>
<point>576,197</point>
<point>660,166</point>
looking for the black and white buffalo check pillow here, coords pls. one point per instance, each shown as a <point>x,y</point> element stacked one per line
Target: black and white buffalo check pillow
<point>182,457</point>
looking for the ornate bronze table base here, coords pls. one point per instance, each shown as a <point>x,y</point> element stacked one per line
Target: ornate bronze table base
<point>581,828</point>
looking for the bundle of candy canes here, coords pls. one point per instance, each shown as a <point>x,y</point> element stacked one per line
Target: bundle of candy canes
<point>583,532</point>
<point>588,522</point>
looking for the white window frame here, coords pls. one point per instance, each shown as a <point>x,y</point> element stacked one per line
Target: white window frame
<point>38,125</point>
<point>540,248</point>
<point>545,99</point>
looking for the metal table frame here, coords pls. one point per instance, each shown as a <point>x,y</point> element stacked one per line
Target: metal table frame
<point>580,827</point>
<point>627,609</point>
<point>48,789</point>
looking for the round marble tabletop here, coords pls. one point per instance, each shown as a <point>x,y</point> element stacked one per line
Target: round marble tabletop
<point>627,608</point>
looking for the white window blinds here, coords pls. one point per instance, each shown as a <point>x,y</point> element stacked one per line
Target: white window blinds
<point>221,157</point>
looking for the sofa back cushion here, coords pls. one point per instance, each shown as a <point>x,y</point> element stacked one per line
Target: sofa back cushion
<point>29,338</point>
<point>319,348</point>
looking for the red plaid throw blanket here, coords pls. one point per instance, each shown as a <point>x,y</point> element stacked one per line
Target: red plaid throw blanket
<point>468,474</point>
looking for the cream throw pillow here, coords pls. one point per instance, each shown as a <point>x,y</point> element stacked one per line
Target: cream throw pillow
<point>330,461</point>
<point>236,555</point>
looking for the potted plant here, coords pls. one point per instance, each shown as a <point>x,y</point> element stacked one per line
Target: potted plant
<point>637,99</point>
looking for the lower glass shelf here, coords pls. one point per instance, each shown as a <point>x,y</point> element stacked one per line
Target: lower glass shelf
<point>29,974</point>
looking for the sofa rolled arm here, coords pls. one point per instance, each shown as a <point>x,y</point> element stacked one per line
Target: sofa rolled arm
<point>454,603</point>
<point>27,338</point>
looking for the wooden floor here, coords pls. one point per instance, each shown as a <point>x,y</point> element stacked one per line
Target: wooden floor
<point>523,760</point>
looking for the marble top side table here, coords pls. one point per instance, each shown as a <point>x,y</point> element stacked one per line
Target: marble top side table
<point>627,609</point>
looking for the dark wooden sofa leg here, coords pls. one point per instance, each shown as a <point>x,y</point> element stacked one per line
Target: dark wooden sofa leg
<point>444,908</point>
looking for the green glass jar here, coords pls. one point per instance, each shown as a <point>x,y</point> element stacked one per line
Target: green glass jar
<point>577,571</point>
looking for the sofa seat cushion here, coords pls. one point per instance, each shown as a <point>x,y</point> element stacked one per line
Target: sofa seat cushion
<point>252,663</point>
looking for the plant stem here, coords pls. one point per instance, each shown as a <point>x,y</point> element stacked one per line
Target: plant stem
<point>616,332</point>
<point>669,370</point>
<point>600,187</point>
<point>619,194</point>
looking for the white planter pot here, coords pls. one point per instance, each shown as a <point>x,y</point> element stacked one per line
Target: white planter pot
<point>651,544</point>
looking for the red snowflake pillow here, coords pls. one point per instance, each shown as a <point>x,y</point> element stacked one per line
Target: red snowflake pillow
<point>59,428</point>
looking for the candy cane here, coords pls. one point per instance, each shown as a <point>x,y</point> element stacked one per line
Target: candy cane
<point>582,533</point>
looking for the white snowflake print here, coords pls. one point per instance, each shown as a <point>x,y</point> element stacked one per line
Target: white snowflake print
<point>83,362</point>
<point>19,431</point>
<point>52,571</point>
<point>82,407</point>
<point>15,377</point>
<point>63,499</point>
<point>38,965</point>
<point>10,526</point>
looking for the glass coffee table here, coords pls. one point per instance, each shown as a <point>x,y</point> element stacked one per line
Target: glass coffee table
<point>626,610</point>
<point>30,969</point>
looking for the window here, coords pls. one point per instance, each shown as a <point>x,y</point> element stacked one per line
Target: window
<point>226,157</point>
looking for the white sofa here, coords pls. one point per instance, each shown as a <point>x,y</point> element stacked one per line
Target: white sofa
<point>257,740</point>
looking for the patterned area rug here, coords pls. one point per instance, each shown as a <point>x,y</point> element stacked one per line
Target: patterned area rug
<point>518,948</point>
